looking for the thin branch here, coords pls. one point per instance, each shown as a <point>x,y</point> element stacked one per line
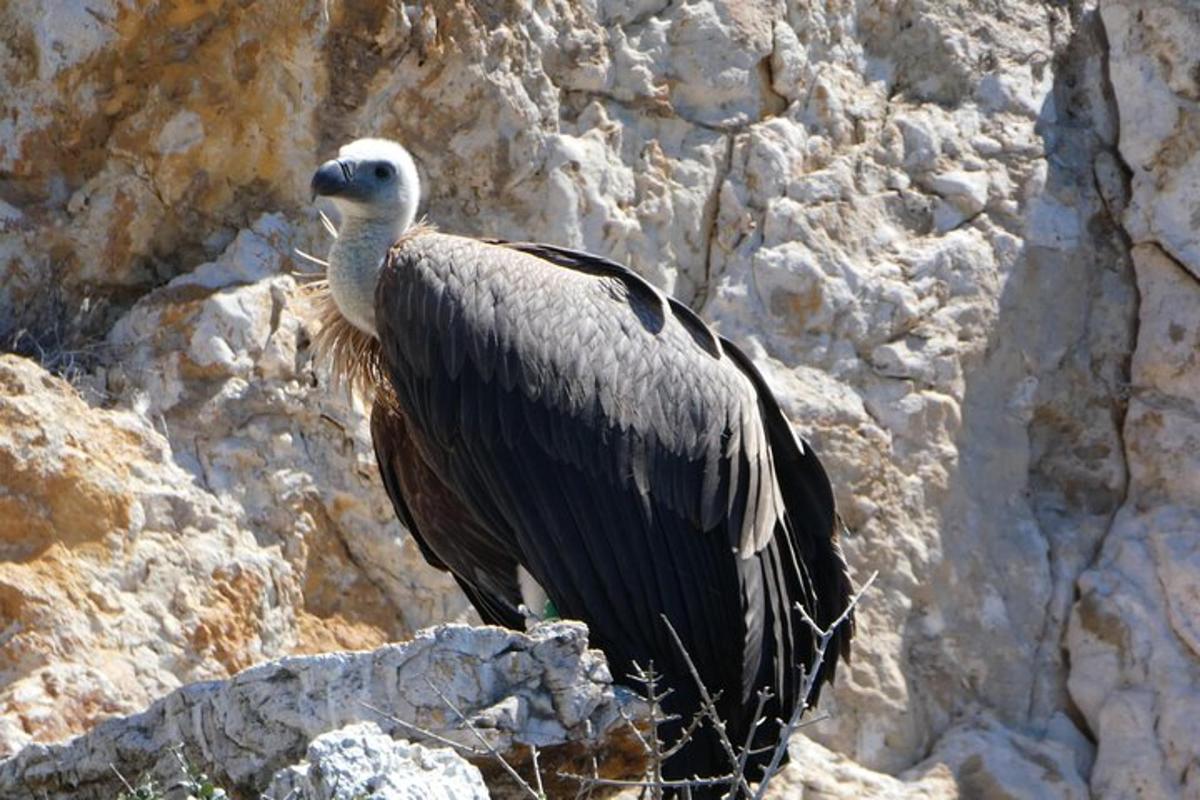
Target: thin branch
<point>483,740</point>
<point>709,703</point>
<point>808,723</point>
<point>537,771</point>
<point>591,787</point>
<point>846,612</point>
<point>825,636</point>
<point>687,734</point>
<point>649,678</point>
<point>686,783</point>
<point>747,747</point>
<point>120,777</point>
<point>465,748</point>
<point>646,747</point>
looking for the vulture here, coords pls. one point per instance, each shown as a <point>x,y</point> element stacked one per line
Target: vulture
<point>561,436</point>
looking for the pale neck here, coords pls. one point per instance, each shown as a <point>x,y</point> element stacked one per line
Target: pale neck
<point>354,264</point>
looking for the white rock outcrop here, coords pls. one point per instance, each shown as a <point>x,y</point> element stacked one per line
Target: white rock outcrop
<point>361,760</point>
<point>264,720</point>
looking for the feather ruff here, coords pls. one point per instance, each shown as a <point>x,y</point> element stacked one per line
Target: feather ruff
<point>353,357</point>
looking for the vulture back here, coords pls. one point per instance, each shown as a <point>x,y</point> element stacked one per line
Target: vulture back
<point>603,438</point>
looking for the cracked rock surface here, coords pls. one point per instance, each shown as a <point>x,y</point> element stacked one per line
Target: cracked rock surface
<point>360,760</point>
<point>1134,634</point>
<point>959,239</point>
<point>338,713</point>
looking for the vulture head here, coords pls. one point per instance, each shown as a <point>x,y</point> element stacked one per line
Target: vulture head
<point>373,184</point>
<point>371,179</point>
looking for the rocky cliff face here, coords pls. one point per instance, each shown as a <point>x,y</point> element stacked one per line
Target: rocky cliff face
<point>958,237</point>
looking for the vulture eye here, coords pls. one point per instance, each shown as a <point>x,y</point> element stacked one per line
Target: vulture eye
<point>383,172</point>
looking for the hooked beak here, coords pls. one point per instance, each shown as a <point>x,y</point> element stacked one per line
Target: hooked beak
<point>332,178</point>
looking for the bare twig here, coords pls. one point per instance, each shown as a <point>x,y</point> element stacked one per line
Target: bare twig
<point>537,772</point>
<point>649,750</point>
<point>516,776</point>
<point>824,637</point>
<point>686,783</point>
<point>649,679</point>
<point>698,719</point>
<point>827,633</point>
<point>120,777</point>
<point>748,746</point>
<point>813,721</point>
<point>587,785</point>
<point>464,748</point>
<point>709,705</point>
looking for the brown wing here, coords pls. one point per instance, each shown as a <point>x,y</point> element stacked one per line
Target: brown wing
<point>442,525</point>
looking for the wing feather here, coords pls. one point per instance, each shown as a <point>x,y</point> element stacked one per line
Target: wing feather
<point>615,444</point>
<point>417,495</point>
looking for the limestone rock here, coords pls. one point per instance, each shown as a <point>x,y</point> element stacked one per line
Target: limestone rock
<point>1134,643</point>
<point>247,729</point>
<point>988,760</point>
<point>978,759</point>
<point>917,217</point>
<point>1154,74</point>
<point>121,578</point>
<point>360,760</point>
<point>228,512</point>
<point>124,148</point>
<point>1135,659</point>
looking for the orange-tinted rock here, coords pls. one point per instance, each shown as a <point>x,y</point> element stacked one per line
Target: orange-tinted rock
<point>123,577</point>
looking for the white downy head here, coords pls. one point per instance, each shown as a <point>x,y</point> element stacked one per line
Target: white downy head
<point>374,186</point>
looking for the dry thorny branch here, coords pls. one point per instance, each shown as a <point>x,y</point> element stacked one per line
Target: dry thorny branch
<point>736,781</point>
<point>652,783</point>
